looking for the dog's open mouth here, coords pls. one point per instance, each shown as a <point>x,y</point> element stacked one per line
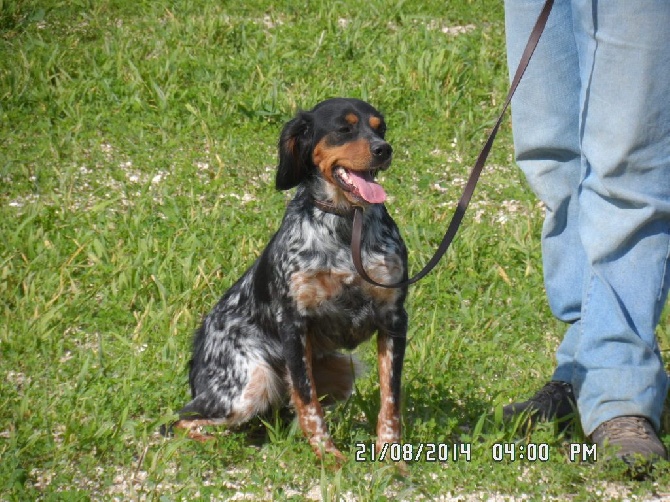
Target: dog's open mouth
<point>361,184</point>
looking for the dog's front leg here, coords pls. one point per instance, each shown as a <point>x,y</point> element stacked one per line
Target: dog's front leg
<point>298,354</point>
<point>390,353</point>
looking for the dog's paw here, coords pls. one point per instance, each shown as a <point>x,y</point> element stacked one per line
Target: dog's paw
<point>193,429</point>
<point>327,449</point>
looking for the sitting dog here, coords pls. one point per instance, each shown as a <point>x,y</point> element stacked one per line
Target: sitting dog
<point>276,333</point>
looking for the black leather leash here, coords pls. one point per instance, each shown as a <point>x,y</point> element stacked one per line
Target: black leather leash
<point>454,224</point>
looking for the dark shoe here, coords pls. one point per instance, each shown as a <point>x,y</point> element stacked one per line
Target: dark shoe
<point>554,401</point>
<point>632,439</point>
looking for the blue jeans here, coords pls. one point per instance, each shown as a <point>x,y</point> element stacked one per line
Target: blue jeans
<point>591,124</point>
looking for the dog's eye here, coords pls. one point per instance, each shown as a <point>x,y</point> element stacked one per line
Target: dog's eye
<point>346,129</point>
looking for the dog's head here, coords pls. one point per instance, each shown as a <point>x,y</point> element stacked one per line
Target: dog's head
<point>341,141</point>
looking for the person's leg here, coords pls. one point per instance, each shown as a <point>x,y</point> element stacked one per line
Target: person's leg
<point>545,121</point>
<point>564,101</point>
<point>624,201</point>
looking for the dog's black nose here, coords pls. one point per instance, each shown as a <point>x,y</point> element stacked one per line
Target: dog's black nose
<point>381,150</point>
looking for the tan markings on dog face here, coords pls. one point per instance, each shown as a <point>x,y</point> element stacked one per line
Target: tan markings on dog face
<point>354,155</point>
<point>310,289</point>
<point>351,118</point>
<point>375,122</point>
<point>265,389</point>
<point>388,421</point>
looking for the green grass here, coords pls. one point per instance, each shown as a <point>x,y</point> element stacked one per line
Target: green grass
<point>136,171</point>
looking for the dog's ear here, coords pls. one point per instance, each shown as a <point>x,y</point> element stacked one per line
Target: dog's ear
<point>295,162</point>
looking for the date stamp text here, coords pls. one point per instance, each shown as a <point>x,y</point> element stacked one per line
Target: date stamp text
<point>407,452</point>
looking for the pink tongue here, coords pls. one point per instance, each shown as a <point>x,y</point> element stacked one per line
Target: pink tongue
<point>369,190</point>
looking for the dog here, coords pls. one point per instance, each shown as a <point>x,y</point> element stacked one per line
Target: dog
<point>277,334</point>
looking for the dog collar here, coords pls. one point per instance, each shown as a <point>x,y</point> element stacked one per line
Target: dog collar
<point>329,207</point>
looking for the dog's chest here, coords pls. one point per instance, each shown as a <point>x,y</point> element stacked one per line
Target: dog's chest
<point>338,286</point>
<point>312,258</point>
<point>323,279</point>
<point>341,308</point>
